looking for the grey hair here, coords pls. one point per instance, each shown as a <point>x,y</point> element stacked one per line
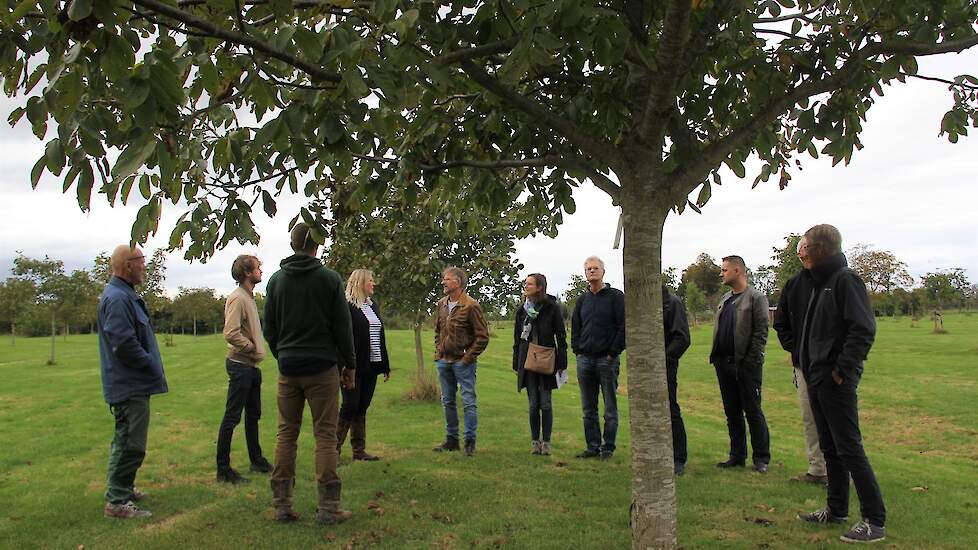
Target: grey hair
<point>458,273</point>
<point>594,259</point>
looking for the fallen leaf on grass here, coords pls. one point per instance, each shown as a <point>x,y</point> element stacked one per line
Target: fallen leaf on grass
<point>814,539</point>
<point>331,536</point>
<point>920,489</point>
<point>81,547</point>
<point>499,542</point>
<point>560,464</point>
<point>379,494</point>
<point>371,505</point>
<point>764,508</point>
<point>440,517</point>
<point>378,511</point>
<point>416,515</point>
<point>760,521</point>
<point>412,502</point>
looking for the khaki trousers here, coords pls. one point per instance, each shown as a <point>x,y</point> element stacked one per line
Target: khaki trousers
<point>816,462</point>
<point>322,392</point>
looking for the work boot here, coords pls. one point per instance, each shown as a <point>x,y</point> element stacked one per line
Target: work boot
<point>450,444</point>
<point>469,447</point>
<point>231,476</point>
<point>358,439</point>
<point>329,504</point>
<point>342,427</point>
<point>282,500</point>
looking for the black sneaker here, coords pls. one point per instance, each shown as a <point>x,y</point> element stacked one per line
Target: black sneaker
<point>588,453</point>
<point>865,533</point>
<point>731,463</point>
<point>605,455</point>
<point>450,444</point>
<point>261,467</point>
<point>230,476</point>
<point>822,516</point>
<point>760,467</point>
<point>469,447</point>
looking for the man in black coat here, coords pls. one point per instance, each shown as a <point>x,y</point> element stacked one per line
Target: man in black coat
<point>837,333</point>
<point>675,326</point>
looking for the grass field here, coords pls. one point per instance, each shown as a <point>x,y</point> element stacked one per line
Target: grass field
<point>917,408</point>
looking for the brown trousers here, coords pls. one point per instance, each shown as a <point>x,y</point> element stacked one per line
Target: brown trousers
<point>322,392</point>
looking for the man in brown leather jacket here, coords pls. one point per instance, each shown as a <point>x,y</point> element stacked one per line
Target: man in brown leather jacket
<point>461,334</point>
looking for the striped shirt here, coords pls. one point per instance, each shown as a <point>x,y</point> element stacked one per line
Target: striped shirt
<point>368,312</point>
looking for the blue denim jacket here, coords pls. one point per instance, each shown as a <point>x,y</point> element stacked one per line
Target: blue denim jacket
<point>128,352</point>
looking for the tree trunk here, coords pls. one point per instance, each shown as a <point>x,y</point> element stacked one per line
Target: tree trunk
<point>54,332</point>
<point>418,350</point>
<point>13,332</point>
<point>653,511</point>
<point>195,325</point>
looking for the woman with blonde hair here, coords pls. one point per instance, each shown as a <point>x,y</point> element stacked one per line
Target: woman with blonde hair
<point>370,346</point>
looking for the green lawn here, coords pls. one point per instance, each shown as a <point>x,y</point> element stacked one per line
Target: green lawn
<point>918,397</point>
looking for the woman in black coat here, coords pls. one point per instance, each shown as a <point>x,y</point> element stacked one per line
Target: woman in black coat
<point>370,346</point>
<point>540,320</point>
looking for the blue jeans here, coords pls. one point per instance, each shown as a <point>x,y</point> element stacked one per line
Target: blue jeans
<point>596,374</point>
<point>453,376</point>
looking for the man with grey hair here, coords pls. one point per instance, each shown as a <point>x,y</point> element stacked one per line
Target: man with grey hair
<point>836,335</point>
<point>788,321</point>
<point>132,371</point>
<point>461,334</point>
<point>739,337</point>
<point>598,339</point>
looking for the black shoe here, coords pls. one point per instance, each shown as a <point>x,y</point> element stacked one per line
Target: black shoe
<point>760,467</point>
<point>450,444</point>
<point>864,532</point>
<point>679,469</point>
<point>588,453</point>
<point>230,476</point>
<point>731,463</point>
<point>469,447</point>
<point>261,467</point>
<point>822,516</point>
<point>605,455</point>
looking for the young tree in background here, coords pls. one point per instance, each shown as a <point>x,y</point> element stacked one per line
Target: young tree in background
<point>48,277</point>
<point>17,295</point>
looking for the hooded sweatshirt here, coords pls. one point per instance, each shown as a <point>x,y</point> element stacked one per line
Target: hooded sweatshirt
<point>307,321</point>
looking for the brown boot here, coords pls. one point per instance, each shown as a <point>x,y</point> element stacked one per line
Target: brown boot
<point>329,504</point>
<point>342,427</point>
<point>282,500</point>
<point>358,439</point>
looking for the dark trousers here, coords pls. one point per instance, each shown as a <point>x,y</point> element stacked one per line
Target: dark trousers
<point>741,395</point>
<point>357,401</point>
<point>678,428</point>
<point>244,393</point>
<point>836,413</point>
<point>128,447</point>
<point>322,392</point>
<point>599,375</point>
<point>541,406</point>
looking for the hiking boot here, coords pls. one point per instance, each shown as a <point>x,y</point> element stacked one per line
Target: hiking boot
<point>450,444</point>
<point>126,510</point>
<point>587,453</point>
<point>760,467</point>
<point>469,447</point>
<point>545,448</point>
<point>813,479</point>
<point>822,516</point>
<point>231,476</point>
<point>261,467</point>
<point>731,463</point>
<point>358,439</point>
<point>535,447</point>
<point>282,500</point>
<point>329,512</point>
<point>864,532</point>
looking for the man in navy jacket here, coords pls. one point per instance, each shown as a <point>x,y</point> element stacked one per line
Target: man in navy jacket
<point>132,370</point>
<point>598,338</point>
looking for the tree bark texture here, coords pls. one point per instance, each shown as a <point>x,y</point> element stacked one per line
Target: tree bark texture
<point>653,511</point>
<point>54,332</point>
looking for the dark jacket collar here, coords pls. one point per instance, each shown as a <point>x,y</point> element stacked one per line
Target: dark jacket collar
<point>121,283</point>
<point>823,271</point>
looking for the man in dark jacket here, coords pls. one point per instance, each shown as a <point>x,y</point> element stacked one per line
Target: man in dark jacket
<point>837,333</point>
<point>788,321</point>
<point>132,370</point>
<point>739,337</point>
<point>675,327</point>
<point>597,339</point>
<point>307,326</point>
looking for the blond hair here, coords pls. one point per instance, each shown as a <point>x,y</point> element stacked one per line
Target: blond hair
<point>354,286</point>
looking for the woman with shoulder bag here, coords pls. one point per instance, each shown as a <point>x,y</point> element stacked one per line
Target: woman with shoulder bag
<point>539,353</point>
<point>370,346</point>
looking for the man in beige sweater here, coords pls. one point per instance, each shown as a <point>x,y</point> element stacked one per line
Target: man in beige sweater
<point>246,349</point>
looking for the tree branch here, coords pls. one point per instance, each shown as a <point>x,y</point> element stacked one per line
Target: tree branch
<point>468,54</point>
<point>672,45</point>
<point>548,160</point>
<point>791,16</point>
<point>950,83</point>
<point>317,73</point>
<point>904,47</point>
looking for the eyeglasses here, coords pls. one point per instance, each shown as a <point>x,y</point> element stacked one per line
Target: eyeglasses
<point>137,259</point>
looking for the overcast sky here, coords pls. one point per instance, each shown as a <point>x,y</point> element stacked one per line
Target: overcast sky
<point>908,191</point>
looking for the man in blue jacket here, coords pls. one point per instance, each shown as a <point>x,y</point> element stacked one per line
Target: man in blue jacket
<point>131,371</point>
<point>598,338</point>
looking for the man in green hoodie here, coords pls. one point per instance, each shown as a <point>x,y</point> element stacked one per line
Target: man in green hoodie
<point>307,326</point>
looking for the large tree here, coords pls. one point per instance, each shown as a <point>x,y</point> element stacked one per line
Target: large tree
<point>881,269</point>
<point>647,100</point>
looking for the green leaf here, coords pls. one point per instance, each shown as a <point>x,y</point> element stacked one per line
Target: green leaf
<point>37,171</point>
<point>84,188</point>
<point>55,155</point>
<point>704,194</point>
<point>79,9</point>
<point>22,9</point>
<point>134,156</point>
<point>268,202</point>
